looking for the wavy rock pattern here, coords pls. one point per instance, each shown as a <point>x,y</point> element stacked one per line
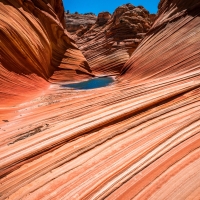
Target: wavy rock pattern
<point>34,44</point>
<point>136,139</point>
<point>108,44</point>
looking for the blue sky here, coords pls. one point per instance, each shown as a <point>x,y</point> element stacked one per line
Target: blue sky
<point>84,6</point>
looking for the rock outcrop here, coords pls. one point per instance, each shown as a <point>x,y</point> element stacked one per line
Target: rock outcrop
<point>136,139</point>
<point>103,18</point>
<point>78,24</point>
<point>34,45</point>
<point>108,44</point>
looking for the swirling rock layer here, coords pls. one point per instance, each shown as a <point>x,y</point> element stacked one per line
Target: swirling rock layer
<point>136,139</point>
<point>108,44</point>
<point>174,34</point>
<point>34,44</point>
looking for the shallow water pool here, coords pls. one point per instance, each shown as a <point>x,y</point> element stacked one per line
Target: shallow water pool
<point>91,84</point>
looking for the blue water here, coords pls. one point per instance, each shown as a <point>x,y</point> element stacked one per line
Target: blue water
<point>91,84</point>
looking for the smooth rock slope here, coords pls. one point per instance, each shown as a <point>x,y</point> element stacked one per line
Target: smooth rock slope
<point>136,139</point>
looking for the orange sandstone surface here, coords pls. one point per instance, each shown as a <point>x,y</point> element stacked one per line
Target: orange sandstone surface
<point>138,138</point>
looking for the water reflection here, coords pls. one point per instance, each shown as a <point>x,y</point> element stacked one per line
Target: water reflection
<point>91,84</point>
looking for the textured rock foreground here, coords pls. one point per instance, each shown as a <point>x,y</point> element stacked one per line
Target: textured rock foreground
<point>137,139</point>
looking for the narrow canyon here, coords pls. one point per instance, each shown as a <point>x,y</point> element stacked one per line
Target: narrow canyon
<point>137,138</point>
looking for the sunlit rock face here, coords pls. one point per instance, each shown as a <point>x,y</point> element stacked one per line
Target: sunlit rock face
<point>78,24</point>
<point>135,139</point>
<point>103,18</point>
<point>34,44</point>
<point>167,58</point>
<point>171,47</point>
<point>108,44</point>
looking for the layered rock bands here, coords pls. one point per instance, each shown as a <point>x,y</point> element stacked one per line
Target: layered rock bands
<point>109,43</point>
<point>34,45</point>
<point>136,139</point>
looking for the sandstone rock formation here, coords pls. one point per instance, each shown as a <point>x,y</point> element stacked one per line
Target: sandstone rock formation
<point>34,45</point>
<point>108,44</point>
<point>136,139</point>
<point>79,23</point>
<point>103,18</point>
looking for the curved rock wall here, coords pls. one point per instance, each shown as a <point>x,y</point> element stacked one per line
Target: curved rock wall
<point>171,47</point>
<point>34,44</point>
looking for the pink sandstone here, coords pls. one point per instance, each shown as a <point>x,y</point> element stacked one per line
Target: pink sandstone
<point>136,139</point>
